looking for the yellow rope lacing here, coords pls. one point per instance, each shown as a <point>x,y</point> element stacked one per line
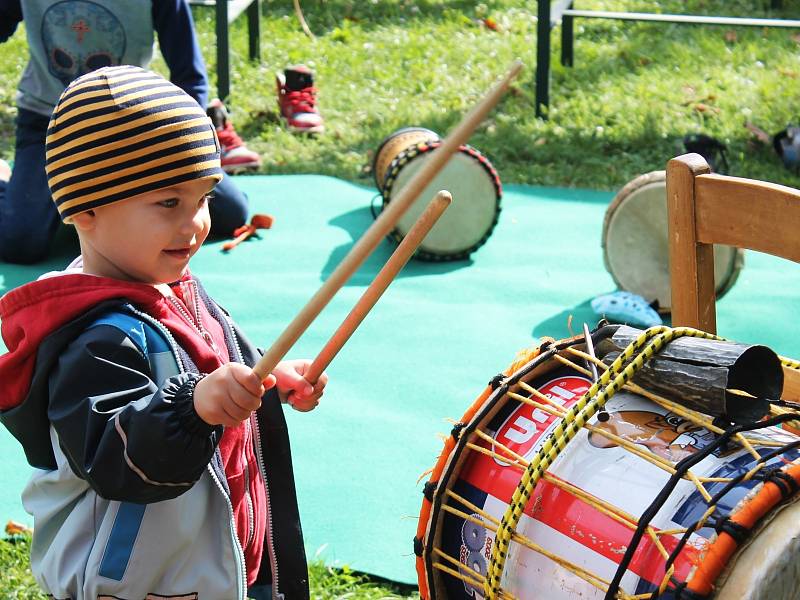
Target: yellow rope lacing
<point>614,377</point>
<point>612,380</point>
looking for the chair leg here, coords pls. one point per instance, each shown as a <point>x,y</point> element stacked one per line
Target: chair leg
<point>254,29</point>
<point>223,51</point>
<point>543,59</point>
<point>568,40</point>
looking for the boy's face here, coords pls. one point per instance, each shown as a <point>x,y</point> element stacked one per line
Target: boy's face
<point>149,238</point>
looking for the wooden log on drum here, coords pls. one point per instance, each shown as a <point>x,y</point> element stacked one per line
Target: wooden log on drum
<point>703,374</point>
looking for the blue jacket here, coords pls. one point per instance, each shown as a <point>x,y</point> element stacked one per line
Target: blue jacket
<point>129,495</point>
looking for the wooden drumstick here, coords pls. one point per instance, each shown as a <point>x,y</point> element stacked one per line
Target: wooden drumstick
<point>385,276</point>
<point>383,225</point>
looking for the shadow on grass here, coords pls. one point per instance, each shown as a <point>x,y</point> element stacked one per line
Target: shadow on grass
<point>356,222</point>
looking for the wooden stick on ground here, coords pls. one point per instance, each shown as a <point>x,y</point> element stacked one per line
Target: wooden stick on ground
<point>385,276</point>
<point>383,225</point>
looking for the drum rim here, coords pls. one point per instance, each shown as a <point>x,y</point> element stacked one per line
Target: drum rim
<point>390,137</point>
<point>413,152</point>
<point>734,268</point>
<point>431,509</point>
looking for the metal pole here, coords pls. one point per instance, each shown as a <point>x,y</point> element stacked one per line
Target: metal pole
<point>567,39</point>
<point>543,59</point>
<point>223,58</point>
<point>254,29</point>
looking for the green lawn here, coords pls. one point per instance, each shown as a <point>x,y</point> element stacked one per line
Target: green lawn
<point>635,91</point>
<point>326,583</point>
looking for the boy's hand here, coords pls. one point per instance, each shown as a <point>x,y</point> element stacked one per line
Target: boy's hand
<point>229,394</point>
<point>294,389</point>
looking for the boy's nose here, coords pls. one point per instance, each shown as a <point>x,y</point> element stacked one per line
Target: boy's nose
<point>194,222</point>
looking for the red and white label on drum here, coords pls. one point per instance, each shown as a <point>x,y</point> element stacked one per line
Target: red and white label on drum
<point>527,424</point>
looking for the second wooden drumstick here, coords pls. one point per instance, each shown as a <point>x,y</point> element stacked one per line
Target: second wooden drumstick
<point>382,225</point>
<point>385,276</point>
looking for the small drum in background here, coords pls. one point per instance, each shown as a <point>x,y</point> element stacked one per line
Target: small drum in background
<point>636,243</point>
<point>394,144</point>
<point>548,488</point>
<point>468,176</point>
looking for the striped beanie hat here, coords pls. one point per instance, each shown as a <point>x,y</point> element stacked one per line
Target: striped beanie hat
<point>118,132</point>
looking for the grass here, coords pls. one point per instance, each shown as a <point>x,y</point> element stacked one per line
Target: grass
<point>635,91</point>
<point>327,583</point>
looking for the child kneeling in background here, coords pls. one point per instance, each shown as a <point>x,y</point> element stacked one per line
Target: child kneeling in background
<point>162,462</point>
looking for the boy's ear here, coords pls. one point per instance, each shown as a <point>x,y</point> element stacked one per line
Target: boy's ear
<point>84,221</point>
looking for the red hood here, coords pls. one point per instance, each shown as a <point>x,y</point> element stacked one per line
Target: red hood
<point>31,312</point>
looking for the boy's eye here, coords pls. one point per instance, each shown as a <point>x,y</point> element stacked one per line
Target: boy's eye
<point>169,203</point>
<point>205,199</point>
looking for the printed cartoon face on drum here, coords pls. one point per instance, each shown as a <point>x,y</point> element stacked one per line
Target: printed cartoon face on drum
<point>80,37</point>
<point>667,435</point>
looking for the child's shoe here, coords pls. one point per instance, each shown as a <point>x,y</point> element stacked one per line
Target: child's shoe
<point>235,155</point>
<point>297,99</point>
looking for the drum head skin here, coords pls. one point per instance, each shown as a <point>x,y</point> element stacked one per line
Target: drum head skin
<point>636,246</point>
<point>473,214</point>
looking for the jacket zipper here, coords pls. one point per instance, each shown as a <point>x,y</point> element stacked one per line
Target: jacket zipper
<point>273,561</point>
<point>237,546</point>
<point>241,566</point>
<point>251,527</point>
<point>194,320</point>
<point>166,332</point>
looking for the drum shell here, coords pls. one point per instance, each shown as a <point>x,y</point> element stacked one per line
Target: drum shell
<point>471,218</point>
<point>635,243</point>
<point>394,144</point>
<point>608,473</point>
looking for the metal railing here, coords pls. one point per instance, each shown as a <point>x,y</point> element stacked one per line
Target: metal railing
<point>562,11</point>
<point>226,13</point>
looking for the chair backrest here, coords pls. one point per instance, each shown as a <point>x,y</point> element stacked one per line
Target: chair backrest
<point>705,209</point>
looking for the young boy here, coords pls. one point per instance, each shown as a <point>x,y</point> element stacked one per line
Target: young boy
<point>162,464</point>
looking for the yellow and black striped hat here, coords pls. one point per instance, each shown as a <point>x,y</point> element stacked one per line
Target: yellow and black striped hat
<point>122,131</point>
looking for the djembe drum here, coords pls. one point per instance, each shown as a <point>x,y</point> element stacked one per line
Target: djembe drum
<point>468,176</point>
<point>553,486</point>
<point>636,248</point>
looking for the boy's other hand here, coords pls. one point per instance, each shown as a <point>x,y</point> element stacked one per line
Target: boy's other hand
<point>293,387</point>
<point>228,395</point>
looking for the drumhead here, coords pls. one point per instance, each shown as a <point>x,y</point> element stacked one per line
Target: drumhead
<point>636,245</point>
<point>470,219</point>
<point>394,144</point>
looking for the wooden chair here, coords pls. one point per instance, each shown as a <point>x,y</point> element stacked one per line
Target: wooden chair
<point>705,209</point>
<point>226,12</point>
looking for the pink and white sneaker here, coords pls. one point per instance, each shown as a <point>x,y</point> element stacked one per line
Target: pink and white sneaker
<point>235,155</point>
<point>297,99</point>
